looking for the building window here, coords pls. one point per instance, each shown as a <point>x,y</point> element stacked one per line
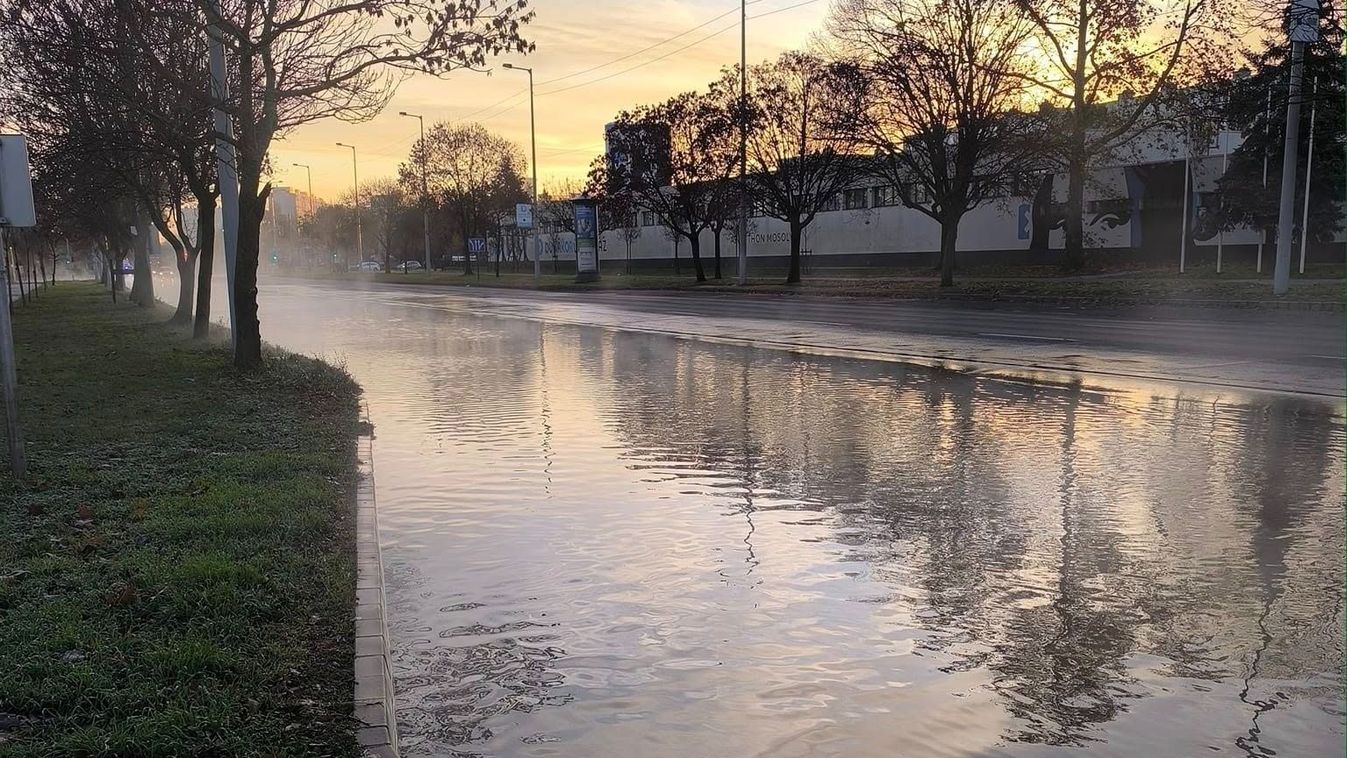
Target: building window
<point>885,194</point>
<point>917,194</point>
<point>855,199</point>
<point>831,203</point>
<point>648,218</point>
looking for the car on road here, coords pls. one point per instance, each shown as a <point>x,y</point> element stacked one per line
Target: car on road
<point>407,266</point>
<point>368,266</point>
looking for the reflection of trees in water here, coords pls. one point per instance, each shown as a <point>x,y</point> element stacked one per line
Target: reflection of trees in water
<point>1047,534</point>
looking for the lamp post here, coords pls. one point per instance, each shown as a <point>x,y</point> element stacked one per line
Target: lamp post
<point>308,207</point>
<point>425,191</point>
<point>1304,29</point>
<point>355,177</point>
<point>533,146</point>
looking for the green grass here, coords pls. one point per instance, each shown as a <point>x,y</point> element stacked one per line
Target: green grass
<point>1138,286</point>
<point>177,568</point>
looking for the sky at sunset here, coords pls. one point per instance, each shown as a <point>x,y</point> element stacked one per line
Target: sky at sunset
<point>572,36</point>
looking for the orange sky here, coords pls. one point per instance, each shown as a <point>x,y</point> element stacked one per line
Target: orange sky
<point>571,36</point>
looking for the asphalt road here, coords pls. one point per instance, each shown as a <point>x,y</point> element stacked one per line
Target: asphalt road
<point>1283,350</point>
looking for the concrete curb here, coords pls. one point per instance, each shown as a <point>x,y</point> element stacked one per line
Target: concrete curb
<point>373,699</point>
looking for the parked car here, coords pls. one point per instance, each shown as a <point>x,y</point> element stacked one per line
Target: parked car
<point>407,266</point>
<point>371,266</point>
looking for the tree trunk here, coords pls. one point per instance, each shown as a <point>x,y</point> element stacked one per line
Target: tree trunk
<point>717,251</point>
<point>796,233</point>
<point>677,241</point>
<point>1075,214</point>
<point>142,288</point>
<point>205,267</point>
<point>949,235</point>
<point>247,329</point>
<point>42,263</point>
<point>18,274</point>
<point>628,241</point>
<point>695,242</point>
<point>186,277</point>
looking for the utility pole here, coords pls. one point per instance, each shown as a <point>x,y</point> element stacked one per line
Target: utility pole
<point>742,231</point>
<point>226,168</point>
<point>1309,171</point>
<point>425,190</point>
<point>355,178</point>
<point>1304,18</point>
<point>533,145</point>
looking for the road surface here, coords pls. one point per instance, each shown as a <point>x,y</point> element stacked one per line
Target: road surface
<point>1242,349</point>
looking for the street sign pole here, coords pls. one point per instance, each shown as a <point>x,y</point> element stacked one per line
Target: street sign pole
<point>16,207</point>
<point>18,464</point>
<point>1304,29</point>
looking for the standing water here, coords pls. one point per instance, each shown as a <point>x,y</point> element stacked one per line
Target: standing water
<point>602,543</point>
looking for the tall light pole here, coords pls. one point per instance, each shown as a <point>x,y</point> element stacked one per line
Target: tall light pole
<point>743,145</point>
<point>425,189</point>
<point>1304,17</point>
<point>355,176</point>
<point>308,207</point>
<point>308,170</point>
<point>533,146</point>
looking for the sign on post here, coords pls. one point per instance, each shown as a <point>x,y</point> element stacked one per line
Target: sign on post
<point>586,240</point>
<point>16,185</point>
<point>476,245</point>
<point>16,210</point>
<point>523,216</point>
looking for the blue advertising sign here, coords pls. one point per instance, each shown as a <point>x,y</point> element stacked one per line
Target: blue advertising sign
<point>586,240</point>
<point>476,245</point>
<point>1023,222</point>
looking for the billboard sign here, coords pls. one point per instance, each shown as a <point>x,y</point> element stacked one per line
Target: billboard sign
<point>586,240</point>
<point>523,215</point>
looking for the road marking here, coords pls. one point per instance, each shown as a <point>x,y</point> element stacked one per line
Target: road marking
<point>1330,357</point>
<point>1025,337</point>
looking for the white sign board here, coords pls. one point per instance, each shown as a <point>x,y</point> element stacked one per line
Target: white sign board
<point>16,183</point>
<point>523,215</point>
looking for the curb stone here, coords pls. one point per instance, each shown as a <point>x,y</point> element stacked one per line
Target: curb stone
<point>373,697</point>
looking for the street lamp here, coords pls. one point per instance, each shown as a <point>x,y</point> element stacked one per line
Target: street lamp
<point>533,144</point>
<point>425,192</point>
<point>308,207</point>
<point>355,176</point>
<point>308,170</point>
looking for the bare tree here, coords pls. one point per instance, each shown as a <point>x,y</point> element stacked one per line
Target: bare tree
<point>672,162</point>
<point>796,163</point>
<point>927,87</point>
<point>472,175</point>
<point>1106,64</point>
<point>297,61</point>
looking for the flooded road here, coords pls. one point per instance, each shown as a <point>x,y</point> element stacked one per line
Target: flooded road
<point>607,543</point>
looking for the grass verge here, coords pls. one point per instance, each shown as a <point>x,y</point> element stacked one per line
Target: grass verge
<point>177,568</point>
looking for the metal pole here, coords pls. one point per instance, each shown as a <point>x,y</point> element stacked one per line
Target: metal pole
<point>1183,236</point>
<point>1281,276</point>
<point>1220,233</point>
<point>1309,169</point>
<point>8,377</point>
<point>533,146</point>
<point>225,167</point>
<point>425,196</point>
<point>1267,124</point>
<point>742,231</point>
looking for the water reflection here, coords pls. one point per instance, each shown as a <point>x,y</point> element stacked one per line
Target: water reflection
<point>605,543</point>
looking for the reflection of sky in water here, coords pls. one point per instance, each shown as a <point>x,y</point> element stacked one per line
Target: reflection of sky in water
<point>608,543</point>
